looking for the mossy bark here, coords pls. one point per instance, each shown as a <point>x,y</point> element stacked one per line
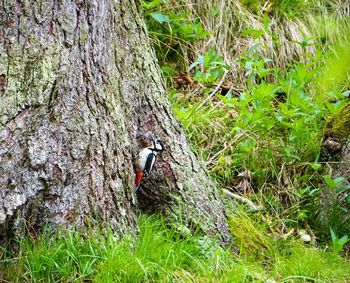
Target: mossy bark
<point>334,206</point>
<point>80,94</point>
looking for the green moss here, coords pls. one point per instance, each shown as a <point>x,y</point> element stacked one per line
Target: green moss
<point>84,32</point>
<point>339,126</point>
<point>249,238</point>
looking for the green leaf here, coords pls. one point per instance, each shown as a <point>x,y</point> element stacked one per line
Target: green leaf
<point>160,18</point>
<point>333,183</point>
<point>152,5</point>
<point>343,240</point>
<point>255,33</point>
<point>348,199</point>
<point>266,22</point>
<point>333,236</point>
<point>193,65</point>
<point>335,107</point>
<point>346,93</point>
<point>339,180</point>
<point>342,189</point>
<point>315,166</point>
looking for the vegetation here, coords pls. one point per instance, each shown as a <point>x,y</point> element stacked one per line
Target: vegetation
<point>163,255</point>
<point>256,85</point>
<point>262,112</point>
<point>256,97</point>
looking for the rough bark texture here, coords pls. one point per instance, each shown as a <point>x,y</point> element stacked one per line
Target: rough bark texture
<point>334,206</point>
<point>80,94</point>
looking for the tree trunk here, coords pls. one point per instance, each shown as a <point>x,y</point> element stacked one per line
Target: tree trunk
<point>80,94</point>
<point>335,206</point>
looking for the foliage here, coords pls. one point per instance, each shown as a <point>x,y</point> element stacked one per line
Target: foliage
<point>335,214</point>
<point>272,123</point>
<point>282,120</point>
<point>210,67</point>
<point>338,243</point>
<point>161,254</point>
<point>172,29</point>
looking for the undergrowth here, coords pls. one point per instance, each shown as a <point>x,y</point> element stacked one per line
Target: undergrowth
<point>181,30</point>
<point>160,254</point>
<point>254,90</point>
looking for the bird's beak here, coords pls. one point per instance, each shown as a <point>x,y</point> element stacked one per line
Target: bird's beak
<point>154,142</point>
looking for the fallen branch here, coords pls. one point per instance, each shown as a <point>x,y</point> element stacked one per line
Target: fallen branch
<point>248,202</point>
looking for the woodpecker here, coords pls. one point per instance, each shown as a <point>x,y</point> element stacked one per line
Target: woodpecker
<point>146,160</point>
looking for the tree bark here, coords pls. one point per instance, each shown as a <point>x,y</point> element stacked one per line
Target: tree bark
<point>80,94</point>
<point>334,209</point>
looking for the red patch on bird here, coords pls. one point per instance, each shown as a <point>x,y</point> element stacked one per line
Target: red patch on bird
<point>138,177</point>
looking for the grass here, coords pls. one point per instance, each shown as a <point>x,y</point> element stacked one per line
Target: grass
<point>160,254</point>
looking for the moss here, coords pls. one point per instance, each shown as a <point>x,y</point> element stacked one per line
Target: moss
<point>249,237</point>
<point>84,32</point>
<point>339,126</point>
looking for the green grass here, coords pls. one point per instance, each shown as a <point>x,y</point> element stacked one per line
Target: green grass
<point>160,254</point>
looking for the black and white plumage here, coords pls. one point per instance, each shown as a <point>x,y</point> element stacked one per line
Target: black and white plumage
<point>146,159</point>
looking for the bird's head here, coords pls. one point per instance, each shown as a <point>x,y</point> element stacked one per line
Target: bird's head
<point>158,145</point>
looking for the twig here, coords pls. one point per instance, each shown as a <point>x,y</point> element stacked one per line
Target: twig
<point>209,97</point>
<point>216,155</point>
<point>244,200</point>
<point>216,106</point>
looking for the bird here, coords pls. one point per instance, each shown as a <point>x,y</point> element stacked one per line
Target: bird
<point>146,159</point>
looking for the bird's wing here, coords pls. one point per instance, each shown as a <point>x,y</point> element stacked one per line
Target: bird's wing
<point>151,158</point>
